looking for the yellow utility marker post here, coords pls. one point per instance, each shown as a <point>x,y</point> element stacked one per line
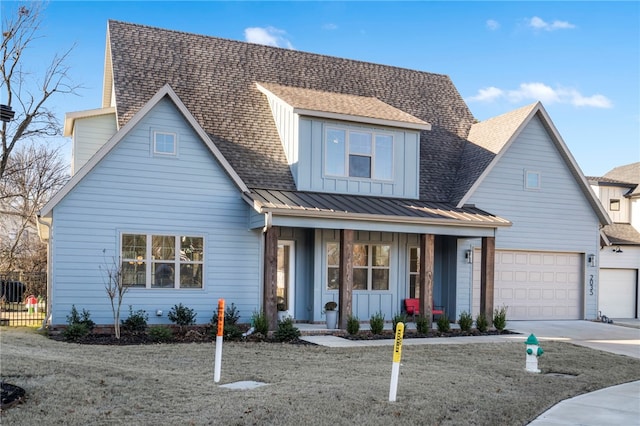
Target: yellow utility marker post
<point>397,354</point>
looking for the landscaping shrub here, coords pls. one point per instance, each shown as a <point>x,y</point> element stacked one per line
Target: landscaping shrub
<point>376,323</point>
<point>402,317</point>
<point>500,318</point>
<point>85,318</point>
<point>75,331</point>
<point>260,323</point>
<point>231,315</point>
<point>160,333</point>
<point>353,325</point>
<point>465,321</point>
<point>136,323</point>
<point>422,324</point>
<point>286,331</point>
<point>182,316</point>
<point>443,324</point>
<point>482,324</point>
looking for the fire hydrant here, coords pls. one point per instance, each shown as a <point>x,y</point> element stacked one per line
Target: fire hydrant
<point>533,352</point>
<point>32,304</point>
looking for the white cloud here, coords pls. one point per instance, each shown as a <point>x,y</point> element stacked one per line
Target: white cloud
<point>548,95</point>
<point>539,24</point>
<point>268,36</point>
<point>330,27</point>
<point>492,24</point>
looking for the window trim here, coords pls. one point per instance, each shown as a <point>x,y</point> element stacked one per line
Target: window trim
<point>370,266</point>
<point>528,173</point>
<point>154,147</point>
<point>613,201</point>
<point>149,260</point>
<point>373,133</point>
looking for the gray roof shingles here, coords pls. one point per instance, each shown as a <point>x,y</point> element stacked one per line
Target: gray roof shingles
<point>216,79</point>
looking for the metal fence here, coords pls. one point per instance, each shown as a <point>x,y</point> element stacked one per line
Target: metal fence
<point>23,298</point>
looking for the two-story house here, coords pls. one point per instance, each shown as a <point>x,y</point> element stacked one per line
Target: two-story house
<point>265,176</point>
<point>619,192</point>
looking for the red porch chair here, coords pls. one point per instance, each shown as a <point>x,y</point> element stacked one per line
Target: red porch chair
<point>412,307</point>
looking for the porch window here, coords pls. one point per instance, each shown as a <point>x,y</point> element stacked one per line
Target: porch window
<point>414,272</point>
<point>162,261</point>
<point>358,154</point>
<point>370,266</point>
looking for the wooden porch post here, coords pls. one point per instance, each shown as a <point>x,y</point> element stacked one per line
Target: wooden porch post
<point>487,271</point>
<point>269,302</point>
<point>427,242</point>
<point>345,277</point>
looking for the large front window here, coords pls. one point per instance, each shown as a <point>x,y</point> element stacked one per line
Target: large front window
<point>370,266</point>
<point>162,261</point>
<point>358,154</point>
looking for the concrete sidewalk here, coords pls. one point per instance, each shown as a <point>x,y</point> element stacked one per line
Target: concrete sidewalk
<point>617,405</point>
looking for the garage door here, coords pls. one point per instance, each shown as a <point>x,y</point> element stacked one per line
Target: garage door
<point>535,285</point>
<point>617,295</point>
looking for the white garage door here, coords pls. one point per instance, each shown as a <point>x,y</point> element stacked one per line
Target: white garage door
<point>617,295</point>
<point>535,285</point>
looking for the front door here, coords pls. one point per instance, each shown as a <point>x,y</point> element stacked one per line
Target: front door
<point>285,292</point>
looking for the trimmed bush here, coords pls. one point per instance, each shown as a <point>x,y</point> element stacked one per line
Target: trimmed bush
<point>482,324</point>
<point>353,325</point>
<point>500,318</point>
<point>85,318</point>
<point>136,323</point>
<point>75,331</point>
<point>182,316</point>
<point>397,318</point>
<point>231,315</point>
<point>160,333</point>
<point>422,324</point>
<point>465,321</point>
<point>260,323</point>
<point>443,324</point>
<point>376,323</point>
<point>286,331</point>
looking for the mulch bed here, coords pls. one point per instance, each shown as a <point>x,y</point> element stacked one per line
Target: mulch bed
<point>412,334</point>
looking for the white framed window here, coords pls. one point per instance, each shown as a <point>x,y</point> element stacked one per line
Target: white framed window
<point>532,180</point>
<point>162,261</point>
<point>165,143</point>
<point>414,272</point>
<point>370,266</point>
<point>358,154</point>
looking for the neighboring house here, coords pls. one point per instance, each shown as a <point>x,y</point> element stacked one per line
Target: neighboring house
<point>261,175</point>
<point>619,192</point>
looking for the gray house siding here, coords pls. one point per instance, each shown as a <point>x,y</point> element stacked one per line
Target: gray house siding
<point>133,191</point>
<point>557,217</point>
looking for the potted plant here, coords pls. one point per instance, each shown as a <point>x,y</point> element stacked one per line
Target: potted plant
<point>331,312</point>
<point>282,309</point>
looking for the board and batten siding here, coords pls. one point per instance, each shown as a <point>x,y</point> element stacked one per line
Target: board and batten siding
<point>309,173</point>
<point>132,191</point>
<point>89,134</point>
<point>557,217</point>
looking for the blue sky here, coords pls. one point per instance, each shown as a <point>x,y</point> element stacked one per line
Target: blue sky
<point>581,59</point>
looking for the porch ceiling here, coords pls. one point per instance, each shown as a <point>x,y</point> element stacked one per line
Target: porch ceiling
<point>357,207</point>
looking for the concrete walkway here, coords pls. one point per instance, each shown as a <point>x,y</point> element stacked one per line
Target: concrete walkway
<point>617,405</point>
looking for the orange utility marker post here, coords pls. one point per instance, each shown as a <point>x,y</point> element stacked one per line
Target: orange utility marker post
<point>397,354</point>
<point>218,359</point>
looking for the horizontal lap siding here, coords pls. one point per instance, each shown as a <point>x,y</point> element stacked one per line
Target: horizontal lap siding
<point>89,135</point>
<point>557,218</point>
<point>132,191</point>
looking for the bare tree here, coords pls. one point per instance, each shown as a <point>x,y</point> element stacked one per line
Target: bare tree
<point>35,173</point>
<point>25,93</point>
<point>116,289</point>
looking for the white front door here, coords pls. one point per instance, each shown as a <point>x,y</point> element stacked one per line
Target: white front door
<point>285,292</point>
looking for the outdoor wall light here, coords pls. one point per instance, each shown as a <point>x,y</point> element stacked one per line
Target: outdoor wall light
<point>159,312</point>
<point>469,256</point>
<point>617,250</point>
<point>591,260</point>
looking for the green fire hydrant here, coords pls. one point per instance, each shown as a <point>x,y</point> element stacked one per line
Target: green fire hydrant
<point>533,352</point>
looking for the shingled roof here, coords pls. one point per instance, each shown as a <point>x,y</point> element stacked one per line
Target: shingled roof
<point>628,173</point>
<point>216,79</point>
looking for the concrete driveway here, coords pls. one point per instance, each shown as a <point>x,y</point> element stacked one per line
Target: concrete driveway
<point>622,337</point>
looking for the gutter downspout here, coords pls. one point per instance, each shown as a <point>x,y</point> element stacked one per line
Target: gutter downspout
<point>47,319</point>
<point>267,222</point>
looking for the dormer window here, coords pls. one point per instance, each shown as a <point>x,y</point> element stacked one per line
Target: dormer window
<point>358,154</point>
<point>614,205</point>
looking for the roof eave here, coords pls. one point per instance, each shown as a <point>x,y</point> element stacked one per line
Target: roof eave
<point>362,119</point>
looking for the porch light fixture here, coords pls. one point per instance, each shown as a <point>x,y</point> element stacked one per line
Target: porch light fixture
<point>617,250</point>
<point>468,255</point>
<point>6,113</point>
<point>591,260</point>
